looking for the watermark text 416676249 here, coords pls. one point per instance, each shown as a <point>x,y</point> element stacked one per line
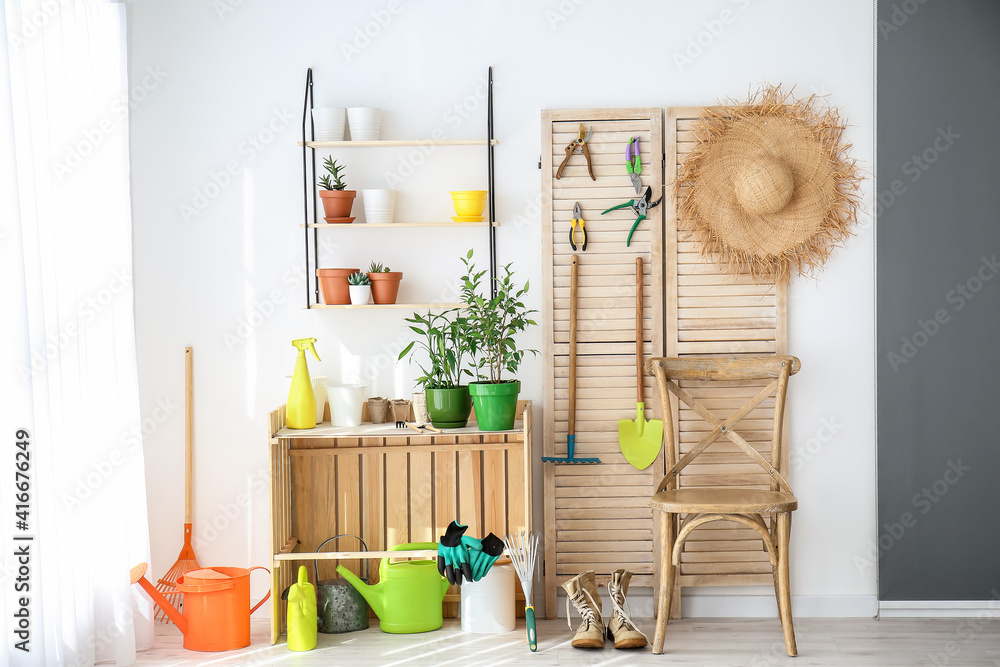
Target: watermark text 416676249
<point>22,547</point>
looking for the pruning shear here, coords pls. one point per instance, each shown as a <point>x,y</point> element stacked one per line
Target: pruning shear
<point>633,165</point>
<point>639,206</point>
<point>580,141</point>
<point>577,217</point>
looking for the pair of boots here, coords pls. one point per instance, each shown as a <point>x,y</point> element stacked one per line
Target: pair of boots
<point>581,590</point>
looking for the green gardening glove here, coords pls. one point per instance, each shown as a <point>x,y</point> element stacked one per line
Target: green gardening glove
<point>453,555</point>
<point>483,553</point>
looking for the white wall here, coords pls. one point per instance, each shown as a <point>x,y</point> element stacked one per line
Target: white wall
<point>232,70</point>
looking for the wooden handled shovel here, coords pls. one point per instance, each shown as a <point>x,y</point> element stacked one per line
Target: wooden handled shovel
<point>639,439</point>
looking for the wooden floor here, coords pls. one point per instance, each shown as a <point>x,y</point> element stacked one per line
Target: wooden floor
<point>858,642</point>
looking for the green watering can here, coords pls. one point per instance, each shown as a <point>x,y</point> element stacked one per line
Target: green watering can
<point>409,594</point>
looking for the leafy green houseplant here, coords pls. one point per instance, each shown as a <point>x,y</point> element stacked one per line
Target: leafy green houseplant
<point>337,199</point>
<point>360,288</point>
<point>443,340</point>
<point>385,283</point>
<point>493,324</point>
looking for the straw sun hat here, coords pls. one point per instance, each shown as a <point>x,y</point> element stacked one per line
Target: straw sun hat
<point>769,187</point>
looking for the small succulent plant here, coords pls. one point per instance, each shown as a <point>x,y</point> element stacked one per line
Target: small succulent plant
<point>332,180</point>
<point>358,278</point>
<point>376,267</point>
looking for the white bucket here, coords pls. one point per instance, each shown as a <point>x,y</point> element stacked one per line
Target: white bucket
<point>488,604</point>
<point>365,123</point>
<point>329,123</point>
<point>345,403</point>
<point>380,205</point>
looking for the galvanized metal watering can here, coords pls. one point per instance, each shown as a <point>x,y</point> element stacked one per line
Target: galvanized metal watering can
<point>339,606</point>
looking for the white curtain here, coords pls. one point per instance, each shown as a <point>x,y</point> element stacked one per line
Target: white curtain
<point>69,382</point>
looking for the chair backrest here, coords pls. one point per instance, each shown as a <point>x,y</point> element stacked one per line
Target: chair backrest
<point>669,371</point>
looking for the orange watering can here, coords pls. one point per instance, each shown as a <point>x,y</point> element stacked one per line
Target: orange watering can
<point>216,606</point>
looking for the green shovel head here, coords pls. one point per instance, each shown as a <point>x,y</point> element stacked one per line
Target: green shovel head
<point>640,439</point>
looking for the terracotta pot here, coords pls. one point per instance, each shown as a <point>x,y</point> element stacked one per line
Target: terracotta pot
<point>333,286</point>
<point>338,203</point>
<point>385,286</point>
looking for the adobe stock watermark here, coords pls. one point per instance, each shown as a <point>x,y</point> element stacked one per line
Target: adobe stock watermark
<point>916,167</point>
<point>562,12</point>
<point>33,25</point>
<point>224,7</point>
<point>263,309</point>
<point>363,35</point>
<point>230,511</point>
<point>805,452</point>
<point>711,30</point>
<point>898,17</point>
<point>454,117</point>
<point>93,137</point>
<point>87,311</point>
<point>129,442</point>
<point>923,502</point>
<point>967,630</point>
<point>958,298</point>
<point>222,178</point>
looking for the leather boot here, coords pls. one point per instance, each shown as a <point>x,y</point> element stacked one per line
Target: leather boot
<point>620,627</point>
<point>581,590</point>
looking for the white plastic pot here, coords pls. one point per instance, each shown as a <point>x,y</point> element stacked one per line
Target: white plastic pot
<point>329,123</point>
<point>365,123</point>
<point>360,294</point>
<point>380,205</point>
<point>345,403</point>
<point>488,604</point>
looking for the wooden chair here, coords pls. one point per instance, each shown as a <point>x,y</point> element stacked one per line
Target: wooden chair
<point>701,505</point>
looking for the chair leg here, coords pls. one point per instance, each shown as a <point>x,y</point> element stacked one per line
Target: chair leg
<point>666,579</point>
<point>784,593</point>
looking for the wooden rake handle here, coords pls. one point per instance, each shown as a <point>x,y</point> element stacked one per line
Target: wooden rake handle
<point>638,329</point>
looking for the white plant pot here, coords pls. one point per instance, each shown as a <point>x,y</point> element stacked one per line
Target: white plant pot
<point>329,123</point>
<point>380,205</point>
<point>360,294</point>
<point>345,403</point>
<point>365,123</point>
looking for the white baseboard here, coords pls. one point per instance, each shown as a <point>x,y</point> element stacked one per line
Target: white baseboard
<point>940,608</point>
<point>640,603</point>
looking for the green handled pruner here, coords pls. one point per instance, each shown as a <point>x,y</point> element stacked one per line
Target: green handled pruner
<point>633,165</point>
<point>577,217</point>
<point>639,206</point>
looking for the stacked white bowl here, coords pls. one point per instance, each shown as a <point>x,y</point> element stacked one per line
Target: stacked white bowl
<point>380,205</point>
<point>329,123</point>
<point>365,123</point>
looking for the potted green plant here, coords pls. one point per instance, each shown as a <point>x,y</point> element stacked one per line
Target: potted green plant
<point>360,288</point>
<point>492,324</point>
<point>337,200</point>
<point>385,283</point>
<point>445,341</point>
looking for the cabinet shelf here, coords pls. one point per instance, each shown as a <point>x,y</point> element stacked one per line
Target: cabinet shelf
<point>362,225</point>
<point>399,142</point>
<point>372,306</point>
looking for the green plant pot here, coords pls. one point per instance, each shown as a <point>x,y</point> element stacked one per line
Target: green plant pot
<point>496,404</point>
<point>449,408</point>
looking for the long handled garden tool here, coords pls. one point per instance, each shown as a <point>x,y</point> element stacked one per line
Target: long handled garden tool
<point>186,561</point>
<point>571,421</point>
<point>639,439</point>
<point>522,547</point>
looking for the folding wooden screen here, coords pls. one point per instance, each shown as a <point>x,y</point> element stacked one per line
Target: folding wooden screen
<point>597,517</point>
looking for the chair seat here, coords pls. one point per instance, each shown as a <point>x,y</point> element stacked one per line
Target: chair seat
<point>723,501</point>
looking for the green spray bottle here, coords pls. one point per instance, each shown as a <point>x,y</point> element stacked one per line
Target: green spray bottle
<point>300,409</point>
<point>302,622</point>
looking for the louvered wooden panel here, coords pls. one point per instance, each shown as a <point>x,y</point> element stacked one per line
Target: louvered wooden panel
<point>597,517</point>
<point>709,311</point>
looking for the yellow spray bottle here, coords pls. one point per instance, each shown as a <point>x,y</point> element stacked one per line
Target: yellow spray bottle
<point>302,622</point>
<point>300,409</point>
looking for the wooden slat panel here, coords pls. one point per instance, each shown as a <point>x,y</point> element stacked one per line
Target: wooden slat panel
<point>397,487</point>
<point>421,505</point>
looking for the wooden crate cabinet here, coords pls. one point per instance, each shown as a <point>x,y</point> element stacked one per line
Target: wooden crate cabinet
<point>389,486</point>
